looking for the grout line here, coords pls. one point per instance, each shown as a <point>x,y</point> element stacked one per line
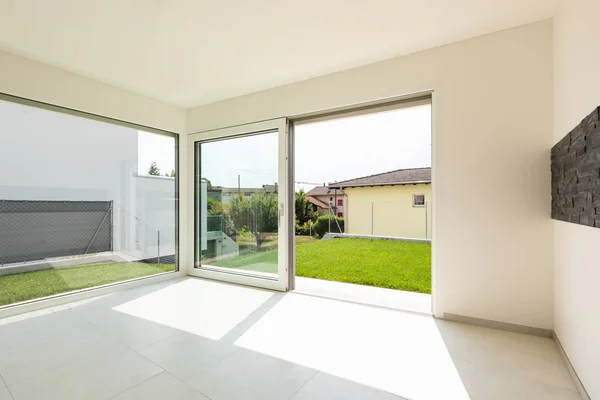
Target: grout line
<point>137,384</point>
<point>237,349</point>
<point>190,386</point>
<point>6,386</point>
<point>170,336</point>
<point>145,380</point>
<point>304,384</point>
<point>76,360</point>
<point>163,371</point>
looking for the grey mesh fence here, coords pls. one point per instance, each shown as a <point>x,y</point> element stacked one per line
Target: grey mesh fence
<point>37,230</point>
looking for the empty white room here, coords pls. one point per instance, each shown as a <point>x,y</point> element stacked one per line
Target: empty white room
<point>214,200</point>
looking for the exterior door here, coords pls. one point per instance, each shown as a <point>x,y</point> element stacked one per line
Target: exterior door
<point>241,204</point>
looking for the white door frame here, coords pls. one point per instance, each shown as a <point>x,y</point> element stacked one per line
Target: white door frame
<point>282,281</point>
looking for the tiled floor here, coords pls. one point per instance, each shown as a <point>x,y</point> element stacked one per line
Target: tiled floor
<point>196,339</point>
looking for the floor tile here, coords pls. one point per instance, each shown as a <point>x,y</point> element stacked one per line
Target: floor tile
<point>184,355</point>
<point>488,383</point>
<point>160,387</point>
<point>527,389</point>
<point>16,332</point>
<point>95,377</point>
<point>56,348</point>
<point>249,375</point>
<point>230,342</point>
<point>136,333</point>
<point>526,355</point>
<point>328,387</point>
<point>397,352</point>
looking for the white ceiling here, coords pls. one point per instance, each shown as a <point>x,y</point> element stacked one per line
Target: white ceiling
<point>192,52</point>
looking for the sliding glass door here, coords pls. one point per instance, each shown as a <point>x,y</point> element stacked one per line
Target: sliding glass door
<point>240,204</point>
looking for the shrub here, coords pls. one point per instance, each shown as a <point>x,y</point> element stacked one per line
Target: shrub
<point>321,227</point>
<point>305,229</point>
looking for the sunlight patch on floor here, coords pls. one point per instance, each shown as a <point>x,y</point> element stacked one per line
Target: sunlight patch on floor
<point>401,353</point>
<point>204,308</point>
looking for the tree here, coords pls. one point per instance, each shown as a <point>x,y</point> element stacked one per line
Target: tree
<point>304,210</point>
<point>172,174</point>
<point>257,214</point>
<point>154,170</point>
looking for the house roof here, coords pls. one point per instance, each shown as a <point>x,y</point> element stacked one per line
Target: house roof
<point>397,177</point>
<point>323,191</point>
<point>317,202</point>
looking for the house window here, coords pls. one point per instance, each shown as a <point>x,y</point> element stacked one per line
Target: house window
<point>340,215</point>
<point>418,200</point>
<point>340,202</point>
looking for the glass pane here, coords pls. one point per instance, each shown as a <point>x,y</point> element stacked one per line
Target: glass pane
<point>82,203</point>
<point>237,204</point>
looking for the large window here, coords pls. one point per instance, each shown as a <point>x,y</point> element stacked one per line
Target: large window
<point>83,203</point>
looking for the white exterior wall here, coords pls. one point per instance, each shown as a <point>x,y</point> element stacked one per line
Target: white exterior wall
<point>492,131</point>
<point>51,156</point>
<point>577,266</point>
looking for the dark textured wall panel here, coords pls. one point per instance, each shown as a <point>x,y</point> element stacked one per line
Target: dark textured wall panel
<point>576,174</point>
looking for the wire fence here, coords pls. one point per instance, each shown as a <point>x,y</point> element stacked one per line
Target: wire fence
<point>32,231</point>
<point>35,230</point>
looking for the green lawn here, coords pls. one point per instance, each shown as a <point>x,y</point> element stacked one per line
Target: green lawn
<point>382,263</point>
<point>32,285</point>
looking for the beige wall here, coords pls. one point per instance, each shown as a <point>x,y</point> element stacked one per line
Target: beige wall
<point>393,211</point>
<point>36,81</point>
<point>492,131</point>
<point>577,264</point>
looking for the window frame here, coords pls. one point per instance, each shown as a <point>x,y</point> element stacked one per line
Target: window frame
<point>415,195</point>
<point>76,295</point>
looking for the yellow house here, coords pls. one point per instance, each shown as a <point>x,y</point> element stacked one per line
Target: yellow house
<point>392,204</point>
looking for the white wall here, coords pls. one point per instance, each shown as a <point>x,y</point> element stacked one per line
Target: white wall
<point>492,131</point>
<point>36,81</point>
<point>577,262</point>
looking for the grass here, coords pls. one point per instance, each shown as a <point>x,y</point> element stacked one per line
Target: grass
<point>382,263</point>
<point>32,285</point>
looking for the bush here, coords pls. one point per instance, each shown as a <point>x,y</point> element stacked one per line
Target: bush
<point>321,227</point>
<point>305,229</point>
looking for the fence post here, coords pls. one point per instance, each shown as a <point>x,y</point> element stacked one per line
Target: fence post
<point>158,241</point>
<point>329,219</point>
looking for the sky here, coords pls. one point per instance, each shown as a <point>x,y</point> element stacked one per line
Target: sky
<point>328,151</point>
<point>348,148</point>
<point>153,147</point>
<point>253,158</point>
